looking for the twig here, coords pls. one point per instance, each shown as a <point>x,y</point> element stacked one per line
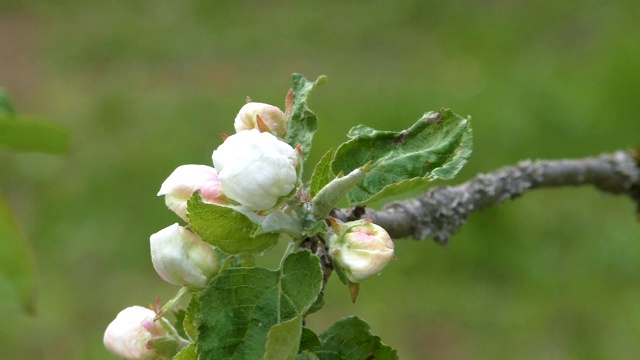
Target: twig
<point>441,211</point>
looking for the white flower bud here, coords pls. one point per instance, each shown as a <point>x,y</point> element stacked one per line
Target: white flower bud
<point>180,257</point>
<point>128,335</point>
<point>263,117</point>
<point>184,181</point>
<point>361,248</point>
<point>256,169</point>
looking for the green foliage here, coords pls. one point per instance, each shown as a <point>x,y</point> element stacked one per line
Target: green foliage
<point>29,135</point>
<point>17,269</point>
<point>283,340</point>
<point>309,340</point>
<point>330,195</point>
<point>543,80</point>
<point>322,173</point>
<point>190,323</point>
<point>435,147</point>
<point>303,123</point>
<point>6,107</point>
<point>226,228</point>
<point>347,339</point>
<point>188,353</point>
<point>241,305</point>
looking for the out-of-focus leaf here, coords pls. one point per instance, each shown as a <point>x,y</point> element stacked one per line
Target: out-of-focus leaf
<point>29,135</point>
<point>17,268</point>
<point>6,107</point>
<point>435,147</point>
<point>303,123</point>
<point>241,305</point>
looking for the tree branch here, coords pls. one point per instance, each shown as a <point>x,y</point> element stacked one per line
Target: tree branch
<point>441,211</point>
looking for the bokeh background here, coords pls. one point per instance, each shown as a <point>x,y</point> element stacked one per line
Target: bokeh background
<point>146,86</point>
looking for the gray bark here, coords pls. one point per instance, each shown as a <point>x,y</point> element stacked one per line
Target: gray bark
<point>440,212</point>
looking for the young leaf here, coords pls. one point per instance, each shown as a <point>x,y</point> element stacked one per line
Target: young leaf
<point>241,305</point>
<point>17,268</point>
<point>309,340</point>
<point>322,173</point>
<point>303,123</point>
<point>33,135</point>
<point>350,338</point>
<point>190,322</point>
<point>226,228</point>
<point>435,147</point>
<point>283,340</point>
<point>188,353</point>
<point>330,195</point>
<point>179,323</point>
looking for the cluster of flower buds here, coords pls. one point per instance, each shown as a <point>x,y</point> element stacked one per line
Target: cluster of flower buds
<point>253,168</point>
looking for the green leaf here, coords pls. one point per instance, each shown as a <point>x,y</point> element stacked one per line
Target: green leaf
<point>283,340</point>
<point>317,305</point>
<point>188,353</point>
<point>279,222</point>
<point>350,338</point>
<point>328,198</point>
<point>303,123</point>
<point>226,228</point>
<point>322,173</point>
<point>190,323</point>
<point>309,340</point>
<point>178,324</point>
<point>17,266</point>
<point>307,355</point>
<point>435,147</point>
<point>242,304</point>
<point>6,107</point>
<point>28,135</point>
<point>314,227</point>
<point>340,272</point>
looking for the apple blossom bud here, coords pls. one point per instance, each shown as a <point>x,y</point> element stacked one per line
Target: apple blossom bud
<point>184,181</point>
<point>180,257</point>
<point>263,117</point>
<point>256,169</point>
<point>361,248</point>
<point>129,333</point>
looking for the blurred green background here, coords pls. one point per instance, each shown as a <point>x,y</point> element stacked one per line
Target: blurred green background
<point>146,86</point>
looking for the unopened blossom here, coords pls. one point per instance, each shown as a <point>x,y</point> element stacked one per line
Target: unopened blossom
<point>256,169</point>
<point>361,248</point>
<point>263,117</point>
<point>129,334</point>
<point>180,257</point>
<point>184,181</point>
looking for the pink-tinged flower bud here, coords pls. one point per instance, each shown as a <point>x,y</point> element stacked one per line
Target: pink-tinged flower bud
<point>361,248</point>
<point>129,334</point>
<point>256,169</point>
<point>263,117</point>
<point>184,181</point>
<point>180,257</point>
